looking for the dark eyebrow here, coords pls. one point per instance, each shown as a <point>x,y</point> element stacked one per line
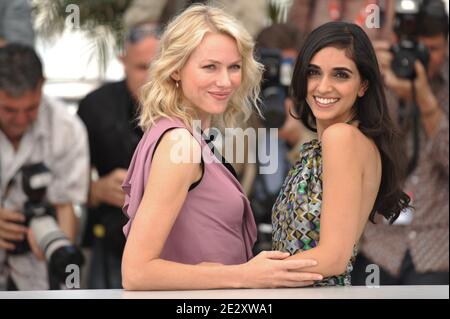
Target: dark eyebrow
<point>7,108</point>
<point>343,69</point>
<point>313,66</point>
<point>32,106</point>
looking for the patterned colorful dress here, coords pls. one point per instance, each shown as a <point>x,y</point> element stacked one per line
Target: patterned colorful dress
<point>296,212</point>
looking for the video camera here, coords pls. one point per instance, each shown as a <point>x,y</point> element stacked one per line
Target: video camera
<point>275,86</point>
<point>40,217</point>
<point>410,17</point>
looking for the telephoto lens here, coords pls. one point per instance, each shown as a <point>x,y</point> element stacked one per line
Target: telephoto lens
<point>58,250</point>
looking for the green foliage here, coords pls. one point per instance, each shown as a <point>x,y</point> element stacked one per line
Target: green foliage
<point>274,12</point>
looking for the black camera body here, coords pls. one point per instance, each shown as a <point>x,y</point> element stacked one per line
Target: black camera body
<point>408,19</point>
<point>40,216</point>
<point>275,86</point>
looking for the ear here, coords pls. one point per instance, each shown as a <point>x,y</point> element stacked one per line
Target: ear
<point>363,88</point>
<point>176,76</point>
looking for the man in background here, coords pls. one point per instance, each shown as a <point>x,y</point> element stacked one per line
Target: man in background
<point>415,250</point>
<point>110,116</point>
<point>15,22</point>
<point>35,129</point>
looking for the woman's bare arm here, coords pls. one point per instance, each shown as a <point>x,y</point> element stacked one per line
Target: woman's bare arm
<point>165,193</point>
<point>341,217</point>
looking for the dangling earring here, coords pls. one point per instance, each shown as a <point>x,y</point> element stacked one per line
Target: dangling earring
<point>177,85</point>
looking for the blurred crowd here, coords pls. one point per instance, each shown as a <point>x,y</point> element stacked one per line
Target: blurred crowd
<point>88,154</point>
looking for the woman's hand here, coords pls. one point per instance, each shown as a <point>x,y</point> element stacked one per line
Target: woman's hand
<point>270,270</point>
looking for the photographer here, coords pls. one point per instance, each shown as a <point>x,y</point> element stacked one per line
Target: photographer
<point>415,249</point>
<point>287,39</point>
<point>109,114</point>
<point>35,129</point>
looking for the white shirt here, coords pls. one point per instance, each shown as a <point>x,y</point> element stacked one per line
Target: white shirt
<point>59,140</point>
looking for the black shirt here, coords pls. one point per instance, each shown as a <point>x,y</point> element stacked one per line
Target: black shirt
<point>109,114</point>
<point>110,117</point>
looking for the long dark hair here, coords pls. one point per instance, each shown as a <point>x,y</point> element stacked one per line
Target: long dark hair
<point>370,110</point>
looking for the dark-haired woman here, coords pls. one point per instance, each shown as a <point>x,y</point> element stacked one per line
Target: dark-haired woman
<point>351,172</point>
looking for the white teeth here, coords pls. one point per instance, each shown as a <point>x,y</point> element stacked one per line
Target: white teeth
<point>325,101</point>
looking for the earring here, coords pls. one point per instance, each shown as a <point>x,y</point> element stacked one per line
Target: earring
<point>177,85</point>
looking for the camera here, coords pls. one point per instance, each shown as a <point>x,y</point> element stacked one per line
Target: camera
<point>409,16</point>
<point>40,217</point>
<point>275,85</point>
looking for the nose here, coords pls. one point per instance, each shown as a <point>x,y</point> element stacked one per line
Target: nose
<point>223,79</point>
<point>324,85</point>
<point>21,118</point>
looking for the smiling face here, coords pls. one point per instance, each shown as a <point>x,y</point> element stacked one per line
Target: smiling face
<point>334,83</point>
<point>211,75</point>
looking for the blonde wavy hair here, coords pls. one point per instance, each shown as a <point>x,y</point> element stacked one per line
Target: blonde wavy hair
<point>160,97</point>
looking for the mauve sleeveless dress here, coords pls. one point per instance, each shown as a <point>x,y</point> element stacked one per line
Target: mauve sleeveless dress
<point>215,224</point>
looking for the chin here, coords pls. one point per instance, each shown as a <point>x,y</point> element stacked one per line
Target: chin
<point>217,110</point>
<point>324,116</point>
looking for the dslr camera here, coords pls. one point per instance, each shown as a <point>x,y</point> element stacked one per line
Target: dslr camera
<point>275,86</point>
<point>409,16</point>
<point>40,217</point>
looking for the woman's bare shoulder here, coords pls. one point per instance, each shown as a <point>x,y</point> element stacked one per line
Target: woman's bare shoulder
<point>343,137</point>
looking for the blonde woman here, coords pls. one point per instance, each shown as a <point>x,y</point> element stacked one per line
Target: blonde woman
<point>191,226</point>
